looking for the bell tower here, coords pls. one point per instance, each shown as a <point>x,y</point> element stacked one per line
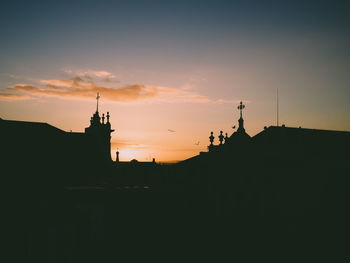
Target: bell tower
<point>100,132</point>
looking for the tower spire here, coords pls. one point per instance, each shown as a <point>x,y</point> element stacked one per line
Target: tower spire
<point>241,107</point>
<point>240,121</point>
<point>97,98</point>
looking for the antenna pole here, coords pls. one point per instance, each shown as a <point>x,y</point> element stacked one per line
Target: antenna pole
<point>277,109</point>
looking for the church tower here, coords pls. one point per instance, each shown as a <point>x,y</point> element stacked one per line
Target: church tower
<point>101,132</point>
<point>240,136</point>
<point>237,138</point>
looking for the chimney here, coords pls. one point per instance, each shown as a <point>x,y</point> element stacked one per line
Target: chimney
<point>117,159</point>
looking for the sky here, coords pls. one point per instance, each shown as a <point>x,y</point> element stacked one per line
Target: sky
<point>170,72</point>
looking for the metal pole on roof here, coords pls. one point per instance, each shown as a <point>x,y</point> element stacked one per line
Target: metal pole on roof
<point>277,109</point>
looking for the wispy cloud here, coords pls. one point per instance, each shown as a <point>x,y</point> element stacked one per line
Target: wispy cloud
<point>85,85</point>
<point>12,76</point>
<point>17,77</point>
<point>77,89</point>
<point>97,75</point>
<point>11,97</point>
<point>127,144</point>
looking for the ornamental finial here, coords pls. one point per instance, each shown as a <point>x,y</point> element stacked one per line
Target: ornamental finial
<point>240,108</point>
<point>211,138</point>
<point>221,137</point>
<point>97,98</point>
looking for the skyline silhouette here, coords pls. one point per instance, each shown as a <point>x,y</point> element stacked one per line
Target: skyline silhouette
<point>220,135</point>
<point>179,66</point>
<point>71,202</point>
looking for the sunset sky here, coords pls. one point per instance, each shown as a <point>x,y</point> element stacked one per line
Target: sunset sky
<point>169,72</point>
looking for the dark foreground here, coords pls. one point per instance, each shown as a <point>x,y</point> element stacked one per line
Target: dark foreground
<point>283,212</point>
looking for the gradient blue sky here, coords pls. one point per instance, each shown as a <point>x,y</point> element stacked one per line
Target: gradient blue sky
<point>194,60</point>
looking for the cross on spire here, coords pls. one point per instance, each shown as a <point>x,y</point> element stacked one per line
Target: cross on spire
<point>241,107</point>
<point>97,98</point>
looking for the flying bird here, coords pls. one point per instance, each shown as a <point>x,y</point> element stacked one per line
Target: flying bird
<point>234,127</point>
<point>197,143</point>
<point>170,130</point>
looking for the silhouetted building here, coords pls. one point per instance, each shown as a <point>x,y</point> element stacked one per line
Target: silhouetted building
<point>101,132</point>
<point>53,154</point>
<point>238,137</point>
<point>277,140</point>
